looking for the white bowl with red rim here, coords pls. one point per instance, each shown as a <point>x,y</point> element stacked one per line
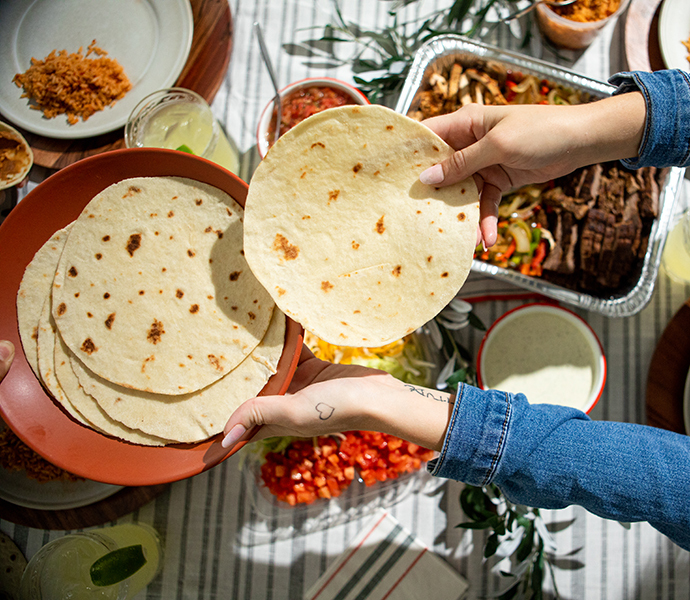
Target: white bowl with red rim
<point>545,351</point>
<point>288,97</point>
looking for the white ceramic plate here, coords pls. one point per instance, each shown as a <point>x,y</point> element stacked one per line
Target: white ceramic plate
<point>151,39</point>
<point>686,404</point>
<point>17,488</point>
<point>674,28</point>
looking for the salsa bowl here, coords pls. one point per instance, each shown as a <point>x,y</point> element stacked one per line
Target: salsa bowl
<point>300,100</point>
<point>16,157</point>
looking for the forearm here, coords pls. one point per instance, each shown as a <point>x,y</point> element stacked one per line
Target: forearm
<point>666,138</point>
<point>413,413</point>
<point>606,130</point>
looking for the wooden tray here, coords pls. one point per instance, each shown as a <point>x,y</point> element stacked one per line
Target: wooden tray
<point>667,373</point>
<point>203,72</point>
<point>120,503</point>
<point>642,36</point>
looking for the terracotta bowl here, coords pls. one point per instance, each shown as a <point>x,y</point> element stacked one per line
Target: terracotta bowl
<point>24,404</point>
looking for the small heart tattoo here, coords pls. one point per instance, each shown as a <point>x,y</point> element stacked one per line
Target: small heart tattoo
<point>325,411</point>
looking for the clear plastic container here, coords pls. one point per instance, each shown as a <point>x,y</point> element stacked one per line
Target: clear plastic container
<point>569,34</point>
<point>272,519</point>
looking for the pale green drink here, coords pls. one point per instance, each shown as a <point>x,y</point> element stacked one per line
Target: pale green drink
<point>176,118</point>
<point>61,570</point>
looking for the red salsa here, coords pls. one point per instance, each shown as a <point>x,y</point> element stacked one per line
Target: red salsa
<point>303,103</point>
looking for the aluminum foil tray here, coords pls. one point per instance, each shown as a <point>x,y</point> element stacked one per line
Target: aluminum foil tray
<point>442,51</point>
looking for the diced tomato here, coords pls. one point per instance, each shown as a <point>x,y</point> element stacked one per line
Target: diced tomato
<point>303,103</point>
<point>308,469</point>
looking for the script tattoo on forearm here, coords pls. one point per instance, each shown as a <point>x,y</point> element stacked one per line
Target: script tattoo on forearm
<point>325,410</point>
<point>438,396</point>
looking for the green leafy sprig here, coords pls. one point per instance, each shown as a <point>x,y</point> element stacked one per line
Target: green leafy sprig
<point>518,533</point>
<point>381,59</point>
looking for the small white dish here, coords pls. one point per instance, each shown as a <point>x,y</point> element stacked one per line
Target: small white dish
<point>262,142</point>
<point>674,29</point>
<point>26,162</point>
<point>546,352</point>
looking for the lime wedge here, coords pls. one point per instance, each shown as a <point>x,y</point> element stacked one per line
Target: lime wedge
<point>185,148</point>
<point>117,565</point>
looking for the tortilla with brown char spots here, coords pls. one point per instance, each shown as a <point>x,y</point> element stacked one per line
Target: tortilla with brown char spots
<point>152,291</point>
<point>343,235</point>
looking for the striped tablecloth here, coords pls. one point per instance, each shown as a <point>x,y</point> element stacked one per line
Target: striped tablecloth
<point>224,540</point>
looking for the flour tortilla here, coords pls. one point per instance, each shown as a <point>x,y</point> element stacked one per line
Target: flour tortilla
<point>88,408</point>
<point>34,288</point>
<point>152,291</point>
<point>343,235</point>
<point>191,417</point>
<point>46,362</point>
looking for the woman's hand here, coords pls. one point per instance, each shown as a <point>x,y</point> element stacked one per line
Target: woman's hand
<point>6,357</point>
<point>505,147</point>
<point>328,398</point>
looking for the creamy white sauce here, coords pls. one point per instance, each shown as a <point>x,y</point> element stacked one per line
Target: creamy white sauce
<point>544,356</point>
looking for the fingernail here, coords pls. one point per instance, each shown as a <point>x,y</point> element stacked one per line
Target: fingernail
<point>233,435</point>
<point>484,245</point>
<point>432,175</point>
<point>6,350</point>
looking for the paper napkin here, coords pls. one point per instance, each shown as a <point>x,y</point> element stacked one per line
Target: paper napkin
<point>387,562</point>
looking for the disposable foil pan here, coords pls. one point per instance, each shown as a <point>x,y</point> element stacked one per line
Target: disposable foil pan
<point>443,51</point>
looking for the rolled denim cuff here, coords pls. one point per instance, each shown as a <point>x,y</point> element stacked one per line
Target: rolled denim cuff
<point>476,436</point>
<point>666,138</point>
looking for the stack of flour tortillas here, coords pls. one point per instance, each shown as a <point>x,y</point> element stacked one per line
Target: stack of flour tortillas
<point>142,318</point>
<point>343,235</point>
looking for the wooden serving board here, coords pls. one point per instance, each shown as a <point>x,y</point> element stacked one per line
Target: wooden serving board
<point>667,373</point>
<point>642,36</point>
<point>120,503</point>
<point>203,72</point>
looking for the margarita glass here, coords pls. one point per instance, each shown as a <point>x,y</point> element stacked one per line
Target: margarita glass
<point>180,119</point>
<point>676,257</point>
<point>64,568</point>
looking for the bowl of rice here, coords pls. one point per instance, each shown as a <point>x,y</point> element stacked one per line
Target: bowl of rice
<point>575,26</point>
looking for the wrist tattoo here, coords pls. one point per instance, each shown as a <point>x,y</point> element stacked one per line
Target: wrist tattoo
<point>433,395</point>
<point>325,411</point>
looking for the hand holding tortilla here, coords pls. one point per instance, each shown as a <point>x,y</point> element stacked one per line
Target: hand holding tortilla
<point>505,147</point>
<point>343,235</point>
<point>331,398</point>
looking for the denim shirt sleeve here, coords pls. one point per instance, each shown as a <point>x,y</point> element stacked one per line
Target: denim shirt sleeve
<point>666,138</point>
<point>550,456</point>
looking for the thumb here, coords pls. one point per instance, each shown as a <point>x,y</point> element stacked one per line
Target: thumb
<point>6,357</point>
<point>251,421</point>
<point>459,166</point>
